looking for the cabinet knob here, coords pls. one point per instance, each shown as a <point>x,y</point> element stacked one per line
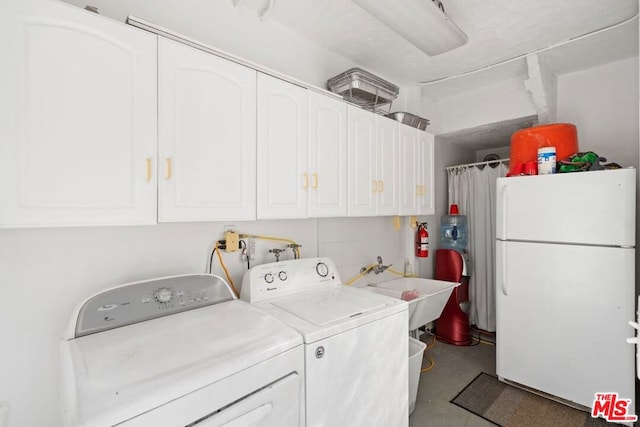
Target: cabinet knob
<point>169,169</point>
<point>148,169</point>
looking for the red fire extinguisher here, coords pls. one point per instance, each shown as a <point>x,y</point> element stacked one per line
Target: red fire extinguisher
<point>422,241</point>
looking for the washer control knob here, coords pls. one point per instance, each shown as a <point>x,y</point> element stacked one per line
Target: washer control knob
<point>268,278</point>
<point>322,269</point>
<point>282,275</point>
<point>163,295</point>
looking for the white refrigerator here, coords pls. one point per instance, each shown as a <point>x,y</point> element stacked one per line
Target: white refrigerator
<point>565,266</point>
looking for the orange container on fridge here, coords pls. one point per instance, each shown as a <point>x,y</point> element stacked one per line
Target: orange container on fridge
<point>525,143</point>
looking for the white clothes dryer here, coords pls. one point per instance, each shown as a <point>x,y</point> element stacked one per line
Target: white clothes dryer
<point>180,351</point>
<point>355,341</point>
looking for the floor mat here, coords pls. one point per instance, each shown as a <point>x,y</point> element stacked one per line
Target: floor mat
<point>509,406</point>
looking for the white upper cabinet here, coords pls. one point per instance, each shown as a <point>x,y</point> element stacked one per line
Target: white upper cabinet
<point>373,164</point>
<point>426,200</point>
<point>362,181</point>
<point>387,151</point>
<point>77,118</point>
<point>105,124</point>
<point>416,172</point>
<point>327,167</point>
<point>207,136</point>
<point>283,177</point>
<point>410,183</point>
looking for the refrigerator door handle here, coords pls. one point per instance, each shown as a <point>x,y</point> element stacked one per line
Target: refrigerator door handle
<point>503,269</point>
<point>503,208</point>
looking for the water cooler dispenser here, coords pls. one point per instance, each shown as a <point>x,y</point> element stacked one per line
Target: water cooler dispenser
<point>453,325</point>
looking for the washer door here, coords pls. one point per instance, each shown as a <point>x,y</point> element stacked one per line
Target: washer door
<point>322,308</point>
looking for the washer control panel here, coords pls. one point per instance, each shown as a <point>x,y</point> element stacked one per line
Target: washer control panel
<point>136,302</point>
<point>283,278</point>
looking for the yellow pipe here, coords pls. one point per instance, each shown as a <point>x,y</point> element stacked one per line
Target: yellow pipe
<point>226,272</point>
<point>391,270</point>
<point>360,275</point>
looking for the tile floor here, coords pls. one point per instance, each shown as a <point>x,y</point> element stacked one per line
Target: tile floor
<point>454,368</point>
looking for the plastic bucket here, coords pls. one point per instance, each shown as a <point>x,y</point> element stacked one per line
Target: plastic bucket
<point>416,350</point>
<point>525,143</point>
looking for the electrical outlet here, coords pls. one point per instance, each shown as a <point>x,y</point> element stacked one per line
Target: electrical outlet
<point>252,249</point>
<point>232,241</point>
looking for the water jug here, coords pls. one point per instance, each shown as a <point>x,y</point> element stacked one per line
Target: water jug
<point>453,230</point>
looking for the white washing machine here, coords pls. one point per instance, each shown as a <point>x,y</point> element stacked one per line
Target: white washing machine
<point>355,342</point>
<point>180,351</point>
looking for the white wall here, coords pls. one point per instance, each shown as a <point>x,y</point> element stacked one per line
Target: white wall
<point>603,104</point>
<point>354,243</point>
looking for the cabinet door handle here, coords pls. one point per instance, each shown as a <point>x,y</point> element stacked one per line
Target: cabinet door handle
<point>148,169</point>
<point>315,181</point>
<point>380,186</point>
<point>503,269</point>
<point>169,169</point>
<point>375,186</point>
<point>305,177</point>
<point>422,190</point>
<point>417,190</point>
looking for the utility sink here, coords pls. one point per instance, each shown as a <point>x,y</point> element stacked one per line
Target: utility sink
<point>434,294</point>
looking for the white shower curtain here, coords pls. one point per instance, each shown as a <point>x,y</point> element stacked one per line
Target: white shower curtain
<point>474,191</point>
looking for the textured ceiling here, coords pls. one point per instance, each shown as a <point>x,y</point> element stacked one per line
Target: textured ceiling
<point>497,30</point>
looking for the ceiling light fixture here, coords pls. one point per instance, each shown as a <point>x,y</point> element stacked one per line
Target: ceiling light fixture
<point>420,22</point>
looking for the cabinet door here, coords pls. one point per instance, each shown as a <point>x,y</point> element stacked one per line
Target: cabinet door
<point>409,188</point>
<point>77,118</point>
<point>387,165</point>
<point>327,156</point>
<point>283,179</point>
<point>207,136</point>
<point>362,183</point>
<point>426,182</point>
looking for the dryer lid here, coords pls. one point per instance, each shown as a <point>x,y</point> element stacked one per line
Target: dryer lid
<point>329,306</point>
<point>126,371</point>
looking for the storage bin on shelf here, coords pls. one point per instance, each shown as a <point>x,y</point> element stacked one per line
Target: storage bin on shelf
<point>409,119</point>
<point>525,143</point>
<point>362,88</point>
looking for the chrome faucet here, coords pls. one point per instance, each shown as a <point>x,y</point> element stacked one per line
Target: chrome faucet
<point>380,268</point>
<point>375,268</point>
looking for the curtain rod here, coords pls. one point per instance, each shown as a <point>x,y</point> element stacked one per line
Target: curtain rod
<point>468,165</point>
